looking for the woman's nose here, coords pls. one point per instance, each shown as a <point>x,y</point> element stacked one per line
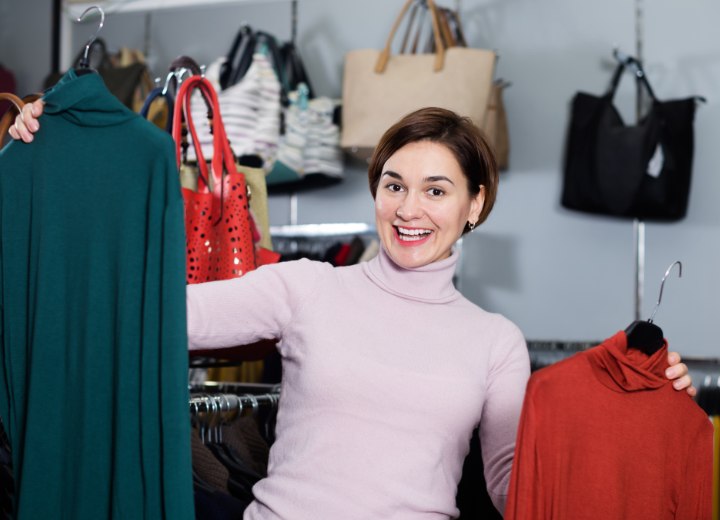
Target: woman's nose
<point>409,208</point>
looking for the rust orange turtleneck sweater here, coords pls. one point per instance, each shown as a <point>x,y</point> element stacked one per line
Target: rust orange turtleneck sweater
<point>603,435</point>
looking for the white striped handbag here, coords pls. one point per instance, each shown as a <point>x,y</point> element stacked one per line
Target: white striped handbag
<point>250,110</point>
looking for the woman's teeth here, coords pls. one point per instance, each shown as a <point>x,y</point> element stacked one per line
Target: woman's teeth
<point>412,234</point>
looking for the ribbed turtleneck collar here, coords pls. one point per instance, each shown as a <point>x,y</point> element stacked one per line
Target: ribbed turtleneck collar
<point>86,101</point>
<point>626,369</point>
<point>431,283</point>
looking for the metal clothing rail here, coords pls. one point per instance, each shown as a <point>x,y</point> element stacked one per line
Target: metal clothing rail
<point>209,412</point>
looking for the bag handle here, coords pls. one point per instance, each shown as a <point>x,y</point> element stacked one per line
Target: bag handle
<point>238,57</point>
<point>223,159</point>
<point>7,96</point>
<point>154,94</point>
<point>9,117</point>
<point>414,8</point>
<point>638,72</point>
<point>384,57</point>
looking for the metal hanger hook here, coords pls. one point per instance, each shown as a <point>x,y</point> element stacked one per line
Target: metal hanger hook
<point>95,34</point>
<point>662,284</point>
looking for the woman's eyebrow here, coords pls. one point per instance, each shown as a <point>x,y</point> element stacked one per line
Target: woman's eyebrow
<point>438,178</point>
<point>432,178</point>
<point>392,174</point>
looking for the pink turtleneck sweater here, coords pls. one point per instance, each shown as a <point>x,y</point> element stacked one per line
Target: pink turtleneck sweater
<point>386,372</point>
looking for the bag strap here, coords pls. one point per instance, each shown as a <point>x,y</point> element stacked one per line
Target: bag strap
<point>159,92</point>
<point>186,62</point>
<point>414,8</point>
<point>8,118</point>
<point>639,74</point>
<point>295,68</point>
<point>223,159</point>
<point>439,48</point>
<point>238,58</point>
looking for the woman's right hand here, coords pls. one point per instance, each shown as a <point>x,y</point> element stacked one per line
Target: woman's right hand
<point>26,123</point>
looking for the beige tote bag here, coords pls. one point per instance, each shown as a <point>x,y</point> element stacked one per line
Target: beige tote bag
<point>380,88</point>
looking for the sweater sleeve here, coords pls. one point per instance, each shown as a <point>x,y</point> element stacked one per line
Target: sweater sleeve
<point>524,497</point>
<point>507,379</point>
<point>253,307</point>
<point>695,500</point>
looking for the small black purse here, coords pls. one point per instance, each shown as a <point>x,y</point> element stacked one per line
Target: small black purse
<point>640,171</point>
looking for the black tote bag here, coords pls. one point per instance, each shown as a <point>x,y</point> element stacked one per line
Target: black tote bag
<point>638,171</point>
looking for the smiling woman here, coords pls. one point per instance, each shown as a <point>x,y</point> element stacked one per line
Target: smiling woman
<point>433,178</point>
<point>423,204</point>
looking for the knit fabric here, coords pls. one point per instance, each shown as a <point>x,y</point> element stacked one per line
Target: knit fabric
<point>386,372</point>
<point>604,435</point>
<point>93,359</point>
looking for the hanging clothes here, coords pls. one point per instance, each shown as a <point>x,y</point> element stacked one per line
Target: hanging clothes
<point>598,436</point>
<point>93,358</point>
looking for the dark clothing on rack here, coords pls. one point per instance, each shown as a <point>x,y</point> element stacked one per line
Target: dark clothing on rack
<point>93,358</point>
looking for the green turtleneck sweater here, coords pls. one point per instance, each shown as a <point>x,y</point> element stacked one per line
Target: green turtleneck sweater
<point>93,353</point>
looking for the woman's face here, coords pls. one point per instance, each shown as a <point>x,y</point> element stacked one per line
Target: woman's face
<point>422,204</point>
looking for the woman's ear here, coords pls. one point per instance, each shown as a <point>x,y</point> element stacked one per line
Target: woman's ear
<point>476,205</point>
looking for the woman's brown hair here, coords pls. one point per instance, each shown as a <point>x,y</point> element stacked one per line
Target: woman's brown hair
<point>459,134</point>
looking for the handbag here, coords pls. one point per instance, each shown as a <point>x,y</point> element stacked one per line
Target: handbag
<point>250,108</point>
<point>129,82</point>
<point>217,216</point>
<point>379,88</point>
<point>309,154</point>
<point>494,124</point>
<point>640,171</point>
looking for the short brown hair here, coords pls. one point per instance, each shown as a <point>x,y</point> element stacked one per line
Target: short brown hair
<point>459,134</point>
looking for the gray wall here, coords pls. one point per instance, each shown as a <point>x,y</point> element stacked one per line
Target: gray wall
<point>556,273</point>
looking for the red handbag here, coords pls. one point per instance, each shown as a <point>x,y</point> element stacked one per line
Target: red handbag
<point>218,223</point>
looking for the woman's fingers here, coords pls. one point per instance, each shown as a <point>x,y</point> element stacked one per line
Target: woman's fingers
<point>26,122</point>
<point>679,374</point>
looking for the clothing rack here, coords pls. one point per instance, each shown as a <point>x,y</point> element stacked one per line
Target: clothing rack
<point>62,48</point>
<point>215,404</point>
<point>219,387</point>
<point>229,406</point>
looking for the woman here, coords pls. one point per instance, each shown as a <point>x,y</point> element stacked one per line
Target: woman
<point>387,369</point>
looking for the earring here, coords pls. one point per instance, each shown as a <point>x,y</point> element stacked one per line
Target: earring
<point>471,225</point>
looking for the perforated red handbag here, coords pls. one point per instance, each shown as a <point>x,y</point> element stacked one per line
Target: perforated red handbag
<point>218,223</point>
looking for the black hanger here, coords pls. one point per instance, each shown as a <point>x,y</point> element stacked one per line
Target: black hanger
<point>645,335</point>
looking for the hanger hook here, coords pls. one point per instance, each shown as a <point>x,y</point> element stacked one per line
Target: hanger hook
<point>85,59</point>
<point>662,284</point>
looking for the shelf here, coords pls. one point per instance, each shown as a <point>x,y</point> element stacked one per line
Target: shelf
<point>75,9</point>
<point>321,230</point>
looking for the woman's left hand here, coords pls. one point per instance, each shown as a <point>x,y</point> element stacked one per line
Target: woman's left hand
<point>677,372</point>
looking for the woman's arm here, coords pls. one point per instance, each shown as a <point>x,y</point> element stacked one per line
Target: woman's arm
<point>507,377</point>
<point>257,306</point>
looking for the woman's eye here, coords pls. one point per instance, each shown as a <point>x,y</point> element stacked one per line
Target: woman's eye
<point>436,192</point>
<point>394,187</point>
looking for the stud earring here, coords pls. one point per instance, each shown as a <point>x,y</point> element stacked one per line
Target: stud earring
<point>471,225</point>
